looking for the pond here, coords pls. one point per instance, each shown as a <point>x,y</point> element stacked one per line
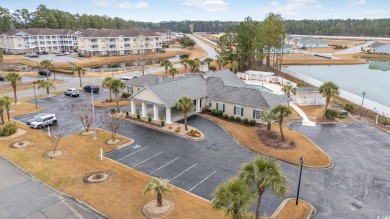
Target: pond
<point>372,78</point>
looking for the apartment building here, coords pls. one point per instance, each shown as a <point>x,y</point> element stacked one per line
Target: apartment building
<point>166,35</point>
<point>21,41</point>
<point>93,42</point>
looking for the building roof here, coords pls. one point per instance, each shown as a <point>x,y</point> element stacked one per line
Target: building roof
<point>161,30</point>
<point>228,78</point>
<point>376,45</point>
<point>307,89</point>
<point>252,97</point>
<point>147,80</point>
<point>312,40</point>
<point>40,31</point>
<point>170,92</point>
<point>116,33</point>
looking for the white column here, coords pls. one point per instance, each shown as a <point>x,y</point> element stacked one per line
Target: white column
<point>168,116</point>
<point>155,112</point>
<point>198,105</point>
<point>132,105</point>
<point>143,113</point>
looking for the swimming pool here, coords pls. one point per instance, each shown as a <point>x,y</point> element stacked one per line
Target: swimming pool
<point>258,87</point>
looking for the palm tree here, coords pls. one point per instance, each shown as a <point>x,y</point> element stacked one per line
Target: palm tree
<point>166,63</point>
<point>289,89</point>
<point>47,64</point>
<point>106,83</point>
<point>235,196</point>
<point>194,64</point>
<point>208,60</point>
<point>157,185</point>
<point>264,174</point>
<point>173,71</point>
<point>7,103</point>
<point>185,104</point>
<point>328,89</point>
<point>2,105</point>
<point>184,62</point>
<point>115,85</point>
<point>221,62</point>
<point>281,111</point>
<point>80,70</point>
<point>269,117</point>
<point>13,78</point>
<point>46,85</point>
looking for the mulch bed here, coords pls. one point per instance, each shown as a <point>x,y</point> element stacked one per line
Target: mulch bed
<point>97,177</point>
<point>273,139</point>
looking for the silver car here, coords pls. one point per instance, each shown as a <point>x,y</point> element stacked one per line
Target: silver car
<point>43,121</point>
<point>32,119</point>
<point>73,92</point>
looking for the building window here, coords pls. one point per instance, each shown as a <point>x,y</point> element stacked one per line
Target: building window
<point>130,89</point>
<point>238,110</point>
<point>257,114</point>
<point>221,106</point>
<point>210,102</point>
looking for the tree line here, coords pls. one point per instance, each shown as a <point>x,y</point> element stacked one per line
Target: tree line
<point>43,17</point>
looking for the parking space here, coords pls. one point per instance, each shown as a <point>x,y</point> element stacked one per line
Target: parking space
<point>61,106</point>
<point>197,167</point>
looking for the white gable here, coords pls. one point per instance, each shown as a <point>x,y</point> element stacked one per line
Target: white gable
<point>21,33</point>
<point>147,96</point>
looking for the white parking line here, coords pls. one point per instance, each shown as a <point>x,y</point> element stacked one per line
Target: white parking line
<point>183,172</point>
<point>56,98</point>
<point>165,165</point>
<point>148,159</point>
<point>202,181</point>
<point>43,101</point>
<point>132,153</point>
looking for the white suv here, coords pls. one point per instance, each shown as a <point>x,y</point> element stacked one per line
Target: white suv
<point>73,92</point>
<point>46,120</point>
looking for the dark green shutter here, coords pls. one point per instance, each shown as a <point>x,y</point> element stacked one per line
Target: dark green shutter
<point>234,111</point>
<point>242,111</point>
<point>254,114</point>
<point>223,108</point>
<point>216,106</point>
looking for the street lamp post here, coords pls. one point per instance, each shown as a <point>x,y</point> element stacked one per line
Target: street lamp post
<point>36,106</point>
<point>299,182</point>
<point>93,112</point>
<point>360,117</point>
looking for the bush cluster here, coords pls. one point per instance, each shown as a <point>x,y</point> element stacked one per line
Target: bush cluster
<point>8,129</point>
<point>231,118</point>
<point>331,114</point>
<point>238,119</point>
<point>216,112</point>
<point>226,116</point>
<point>348,107</point>
<point>126,95</point>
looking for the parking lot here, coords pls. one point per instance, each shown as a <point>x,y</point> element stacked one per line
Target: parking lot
<point>61,106</point>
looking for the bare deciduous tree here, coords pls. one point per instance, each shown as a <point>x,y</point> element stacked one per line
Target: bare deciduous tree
<point>55,136</point>
<point>83,111</point>
<point>112,123</point>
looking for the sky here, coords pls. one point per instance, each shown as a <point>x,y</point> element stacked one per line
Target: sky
<point>223,10</point>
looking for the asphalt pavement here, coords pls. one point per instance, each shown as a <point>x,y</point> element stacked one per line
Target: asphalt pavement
<point>24,197</point>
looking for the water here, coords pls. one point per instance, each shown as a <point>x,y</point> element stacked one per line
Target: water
<point>372,78</point>
<point>258,87</point>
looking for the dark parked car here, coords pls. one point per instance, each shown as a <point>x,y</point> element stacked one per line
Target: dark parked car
<point>32,55</point>
<point>1,78</point>
<point>44,72</point>
<point>45,53</point>
<point>91,88</point>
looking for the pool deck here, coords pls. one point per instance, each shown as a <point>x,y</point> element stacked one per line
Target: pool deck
<point>276,88</point>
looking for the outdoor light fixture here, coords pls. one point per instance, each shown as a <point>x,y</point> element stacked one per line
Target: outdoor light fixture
<point>299,182</point>
<point>36,106</point>
<point>364,93</point>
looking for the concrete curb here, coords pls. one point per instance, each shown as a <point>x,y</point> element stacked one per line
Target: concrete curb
<point>77,201</point>
<point>380,128</point>
<point>152,127</point>
<point>313,210</point>
<point>275,158</point>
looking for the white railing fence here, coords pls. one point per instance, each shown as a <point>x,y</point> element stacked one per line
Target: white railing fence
<point>369,104</point>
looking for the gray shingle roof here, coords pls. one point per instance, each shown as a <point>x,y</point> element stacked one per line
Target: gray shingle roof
<point>312,40</point>
<point>252,97</point>
<point>117,33</point>
<point>193,86</point>
<point>40,31</point>
<point>215,87</point>
<point>307,89</point>
<point>147,80</point>
<point>228,78</point>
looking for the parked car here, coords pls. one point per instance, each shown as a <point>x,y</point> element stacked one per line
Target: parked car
<point>124,79</point>
<point>45,52</point>
<point>73,92</point>
<point>1,78</point>
<point>32,55</point>
<point>32,119</point>
<point>55,52</point>
<point>43,121</point>
<point>66,53</point>
<point>91,88</point>
<point>44,72</point>
<point>38,53</point>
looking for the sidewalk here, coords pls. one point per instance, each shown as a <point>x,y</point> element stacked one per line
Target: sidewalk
<point>306,121</point>
<point>24,197</point>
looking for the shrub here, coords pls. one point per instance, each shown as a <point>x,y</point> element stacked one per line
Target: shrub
<point>212,68</point>
<point>8,129</point>
<point>231,118</point>
<point>238,119</point>
<point>246,121</point>
<point>162,123</point>
<point>330,114</point>
<point>216,112</point>
<point>385,121</point>
<point>127,113</point>
<point>126,95</point>
<point>226,116</point>
<point>252,122</point>
<point>348,107</point>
